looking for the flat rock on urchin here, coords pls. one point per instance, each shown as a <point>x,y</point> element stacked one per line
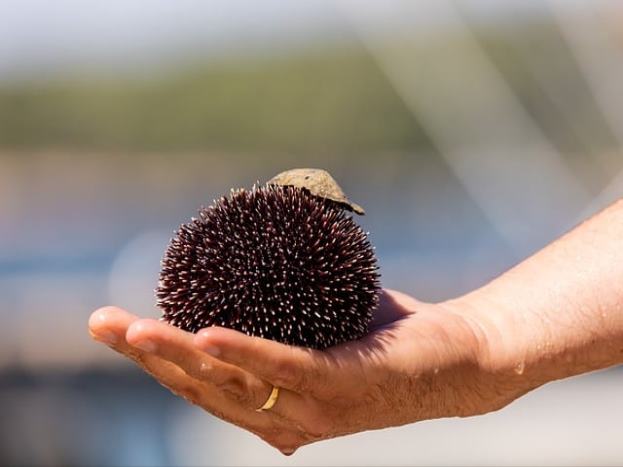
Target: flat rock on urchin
<point>274,262</point>
<point>319,183</point>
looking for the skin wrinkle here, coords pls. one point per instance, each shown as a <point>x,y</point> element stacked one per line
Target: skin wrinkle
<point>188,392</point>
<point>289,375</point>
<point>313,430</point>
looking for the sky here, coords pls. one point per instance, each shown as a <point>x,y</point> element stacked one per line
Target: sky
<point>38,37</point>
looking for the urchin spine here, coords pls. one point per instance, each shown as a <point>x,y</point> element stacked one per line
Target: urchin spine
<point>275,262</point>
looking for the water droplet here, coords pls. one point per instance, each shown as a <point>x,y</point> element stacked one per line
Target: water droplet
<point>520,367</point>
<point>436,370</point>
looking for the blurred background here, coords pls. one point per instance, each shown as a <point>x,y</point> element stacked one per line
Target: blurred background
<point>474,132</point>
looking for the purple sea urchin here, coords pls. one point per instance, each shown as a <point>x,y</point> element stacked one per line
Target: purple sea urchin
<point>275,262</point>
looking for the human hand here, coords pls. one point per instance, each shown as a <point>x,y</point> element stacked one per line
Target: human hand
<point>557,314</point>
<point>420,361</point>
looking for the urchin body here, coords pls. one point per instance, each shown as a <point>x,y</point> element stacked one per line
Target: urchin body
<point>275,262</point>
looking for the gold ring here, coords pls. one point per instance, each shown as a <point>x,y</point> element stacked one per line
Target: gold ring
<point>271,401</point>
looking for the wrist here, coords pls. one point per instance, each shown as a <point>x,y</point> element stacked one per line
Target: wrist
<point>499,341</point>
<point>514,348</point>
<point>529,341</point>
<point>557,314</point>
<point>498,350</point>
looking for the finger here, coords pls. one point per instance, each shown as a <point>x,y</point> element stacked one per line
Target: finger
<point>176,346</point>
<point>292,417</point>
<point>112,323</point>
<point>295,368</point>
<point>109,324</point>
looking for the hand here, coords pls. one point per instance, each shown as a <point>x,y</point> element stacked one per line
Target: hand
<point>420,361</point>
<point>557,314</point>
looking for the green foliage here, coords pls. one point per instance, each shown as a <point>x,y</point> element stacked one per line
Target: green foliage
<point>332,103</point>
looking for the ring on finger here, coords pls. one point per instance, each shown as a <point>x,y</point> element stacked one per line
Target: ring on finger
<point>271,401</point>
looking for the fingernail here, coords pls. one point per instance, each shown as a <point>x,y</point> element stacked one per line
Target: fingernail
<point>212,350</point>
<point>145,345</point>
<point>108,337</point>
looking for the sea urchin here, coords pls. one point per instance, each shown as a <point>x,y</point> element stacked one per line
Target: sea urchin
<point>275,262</point>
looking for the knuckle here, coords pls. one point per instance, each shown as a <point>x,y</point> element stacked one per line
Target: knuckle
<point>243,393</point>
<point>188,393</point>
<point>318,428</point>
<point>288,374</point>
<point>232,384</point>
<point>239,396</point>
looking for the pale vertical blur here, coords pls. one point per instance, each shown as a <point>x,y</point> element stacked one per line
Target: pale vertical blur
<point>473,131</point>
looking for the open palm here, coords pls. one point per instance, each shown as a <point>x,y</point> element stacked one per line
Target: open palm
<point>420,361</point>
